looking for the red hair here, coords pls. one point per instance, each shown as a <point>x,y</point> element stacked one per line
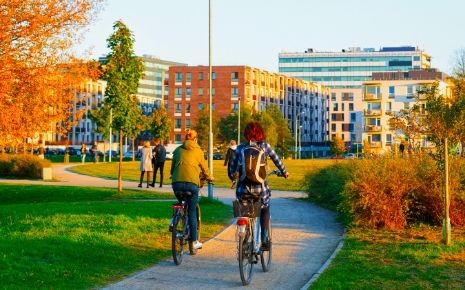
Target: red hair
<point>254,132</point>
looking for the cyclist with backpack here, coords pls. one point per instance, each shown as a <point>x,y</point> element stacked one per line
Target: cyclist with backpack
<point>187,165</point>
<point>249,165</point>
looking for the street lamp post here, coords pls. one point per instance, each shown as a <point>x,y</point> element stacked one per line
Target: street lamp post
<point>111,121</point>
<point>239,122</point>
<point>210,133</point>
<point>300,142</point>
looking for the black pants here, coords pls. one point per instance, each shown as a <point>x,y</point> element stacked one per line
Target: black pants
<point>264,222</point>
<point>142,177</point>
<point>156,166</point>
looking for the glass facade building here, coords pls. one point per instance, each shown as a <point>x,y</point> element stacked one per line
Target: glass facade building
<point>351,67</point>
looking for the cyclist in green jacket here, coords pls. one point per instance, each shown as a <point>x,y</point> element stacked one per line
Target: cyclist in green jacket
<point>187,165</point>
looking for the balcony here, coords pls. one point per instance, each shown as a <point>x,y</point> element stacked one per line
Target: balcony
<point>371,97</point>
<point>372,112</point>
<point>373,128</point>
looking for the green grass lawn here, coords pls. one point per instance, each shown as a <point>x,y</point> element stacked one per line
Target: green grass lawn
<point>408,259</point>
<point>54,237</point>
<point>297,170</point>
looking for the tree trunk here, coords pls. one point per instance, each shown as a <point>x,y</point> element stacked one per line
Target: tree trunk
<point>133,143</point>
<point>120,166</point>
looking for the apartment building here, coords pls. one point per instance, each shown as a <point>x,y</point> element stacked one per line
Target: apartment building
<point>303,103</point>
<point>350,67</point>
<point>386,95</point>
<point>89,97</point>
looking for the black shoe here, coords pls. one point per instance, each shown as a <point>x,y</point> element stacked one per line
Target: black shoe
<point>148,186</point>
<point>140,185</point>
<point>161,186</point>
<point>152,184</point>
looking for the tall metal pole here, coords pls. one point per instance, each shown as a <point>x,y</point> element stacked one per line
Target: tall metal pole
<point>295,139</point>
<point>446,230</point>
<point>111,136</point>
<point>210,133</point>
<point>239,123</point>
<point>300,142</point>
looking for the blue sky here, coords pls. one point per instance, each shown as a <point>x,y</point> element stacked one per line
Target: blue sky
<point>253,32</point>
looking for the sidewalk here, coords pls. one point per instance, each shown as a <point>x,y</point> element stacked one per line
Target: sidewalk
<point>304,237</point>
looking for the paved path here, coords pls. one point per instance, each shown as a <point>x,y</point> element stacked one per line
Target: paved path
<point>304,236</point>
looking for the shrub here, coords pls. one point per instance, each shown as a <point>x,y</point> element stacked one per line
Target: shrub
<point>325,185</point>
<point>23,166</point>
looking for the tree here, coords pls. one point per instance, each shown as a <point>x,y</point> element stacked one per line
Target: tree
<point>123,71</point>
<point>202,127</point>
<point>458,69</point>
<point>160,124</point>
<point>137,123</point>
<point>101,118</point>
<point>283,133</point>
<point>409,123</point>
<point>228,125</point>
<point>38,73</point>
<point>337,145</point>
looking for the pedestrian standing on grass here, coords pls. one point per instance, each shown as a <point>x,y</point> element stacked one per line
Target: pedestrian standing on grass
<point>83,153</point>
<point>145,163</point>
<point>158,161</point>
<point>230,153</point>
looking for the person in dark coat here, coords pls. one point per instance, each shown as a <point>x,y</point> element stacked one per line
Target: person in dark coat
<point>158,161</point>
<point>230,153</point>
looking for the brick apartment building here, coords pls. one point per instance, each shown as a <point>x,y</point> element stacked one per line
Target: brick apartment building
<point>303,103</point>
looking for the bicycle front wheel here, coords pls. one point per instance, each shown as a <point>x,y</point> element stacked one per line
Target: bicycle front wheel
<point>265,253</point>
<point>177,239</point>
<point>245,256</point>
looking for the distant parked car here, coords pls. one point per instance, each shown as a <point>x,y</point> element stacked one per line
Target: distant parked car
<point>350,156</point>
<point>218,156</point>
<point>114,153</point>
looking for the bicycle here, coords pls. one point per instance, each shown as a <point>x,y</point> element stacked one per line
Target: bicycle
<point>179,228</point>
<point>248,234</point>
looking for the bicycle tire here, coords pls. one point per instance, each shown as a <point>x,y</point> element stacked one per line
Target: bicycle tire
<point>177,239</point>
<point>265,256</point>
<point>245,256</point>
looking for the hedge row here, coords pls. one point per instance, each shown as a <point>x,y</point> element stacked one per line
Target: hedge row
<point>22,166</point>
<point>390,193</point>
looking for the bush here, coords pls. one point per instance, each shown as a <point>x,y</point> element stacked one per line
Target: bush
<point>324,186</point>
<point>390,193</point>
<point>23,166</point>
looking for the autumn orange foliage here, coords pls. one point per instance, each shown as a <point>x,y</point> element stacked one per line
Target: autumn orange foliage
<point>38,73</point>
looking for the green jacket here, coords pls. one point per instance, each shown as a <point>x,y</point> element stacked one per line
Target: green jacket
<point>188,162</point>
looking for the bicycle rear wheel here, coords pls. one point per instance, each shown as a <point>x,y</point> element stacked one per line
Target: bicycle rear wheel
<point>245,256</point>
<point>177,239</point>
<point>265,255</point>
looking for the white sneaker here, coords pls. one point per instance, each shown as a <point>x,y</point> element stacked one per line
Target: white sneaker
<point>197,245</point>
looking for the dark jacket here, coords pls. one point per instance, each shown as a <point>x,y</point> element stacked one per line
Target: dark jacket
<point>159,154</point>
<point>230,155</point>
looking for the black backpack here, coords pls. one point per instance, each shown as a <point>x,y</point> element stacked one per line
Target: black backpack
<point>253,164</point>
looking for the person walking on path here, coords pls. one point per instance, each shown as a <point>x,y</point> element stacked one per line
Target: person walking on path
<point>230,153</point>
<point>158,161</point>
<point>95,152</point>
<point>187,165</point>
<point>255,137</point>
<point>83,153</point>
<point>145,163</point>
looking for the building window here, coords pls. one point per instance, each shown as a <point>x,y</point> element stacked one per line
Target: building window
<point>188,108</point>
<point>178,92</point>
<point>178,77</point>
<point>200,92</point>
<point>351,107</point>
<point>416,58</point>
<point>177,138</point>
<point>200,76</point>
<point>353,117</point>
<point>392,90</point>
<point>409,91</point>
<point>335,107</point>
<point>188,92</point>
<point>342,107</point>
<point>188,123</point>
<point>188,77</point>
<point>213,91</point>
<point>234,76</point>
<point>333,97</point>
<point>388,139</point>
<point>178,124</point>
<point>201,106</point>
<point>178,108</point>
<point>333,127</point>
<point>406,105</point>
<point>235,107</point>
<point>213,106</point>
<point>213,75</point>
<point>234,92</point>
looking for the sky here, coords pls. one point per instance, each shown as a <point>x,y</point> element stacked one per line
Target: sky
<point>254,32</point>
